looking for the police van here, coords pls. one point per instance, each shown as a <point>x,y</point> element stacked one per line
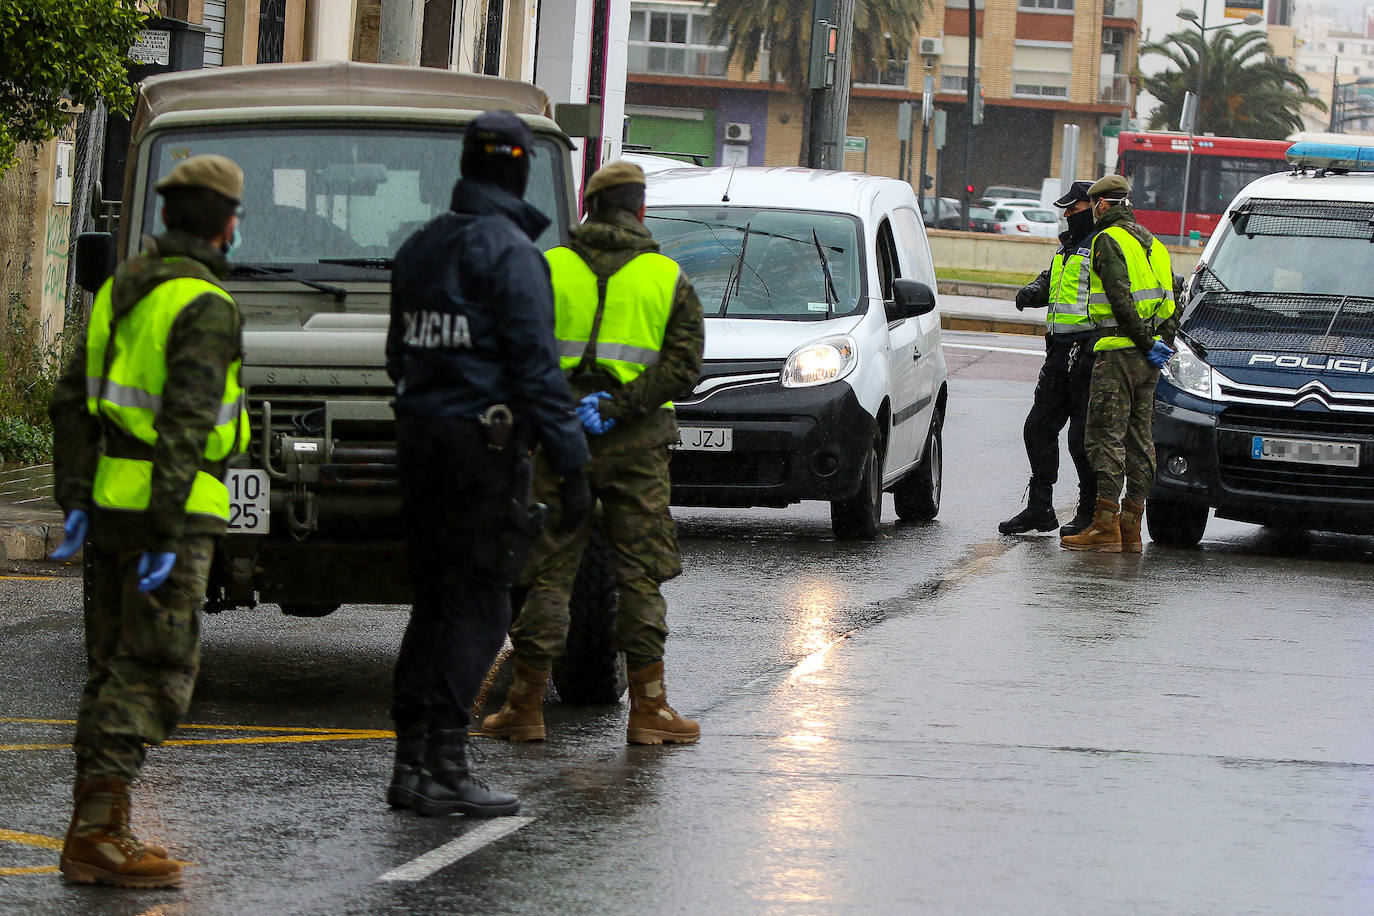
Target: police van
<point>1266,412</point>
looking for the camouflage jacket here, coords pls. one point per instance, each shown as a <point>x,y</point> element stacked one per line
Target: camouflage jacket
<point>1109,263</point>
<point>205,339</point>
<point>608,243</point>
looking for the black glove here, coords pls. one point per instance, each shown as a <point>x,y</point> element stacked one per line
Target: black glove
<point>1025,298</point>
<point>576,499</point>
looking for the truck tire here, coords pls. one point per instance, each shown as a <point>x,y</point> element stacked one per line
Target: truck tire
<point>591,671</point>
<point>1175,523</point>
<point>917,497</point>
<point>858,517</point>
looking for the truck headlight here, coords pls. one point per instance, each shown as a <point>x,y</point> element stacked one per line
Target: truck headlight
<point>1187,371</point>
<point>820,362</point>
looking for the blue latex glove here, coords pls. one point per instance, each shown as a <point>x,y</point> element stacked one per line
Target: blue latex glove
<point>1159,354</point>
<point>590,414</point>
<point>153,570</point>
<point>74,530</point>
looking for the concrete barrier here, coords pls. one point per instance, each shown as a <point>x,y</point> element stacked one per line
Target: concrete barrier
<point>985,251</point>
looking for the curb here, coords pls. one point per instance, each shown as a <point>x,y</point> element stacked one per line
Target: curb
<point>967,321</point>
<point>981,290</point>
<point>27,542</point>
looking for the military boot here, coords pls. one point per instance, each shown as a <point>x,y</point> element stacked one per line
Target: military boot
<point>409,766</point>
<point>1087,505</point>
<point>448,786</point>
<point>652,720</point>
<point>521,717</point>
<point>1131,514</point>
<point>154,848</point>
<point>1104,534</point>
<point>1038,514</point>
<point>101,849</point>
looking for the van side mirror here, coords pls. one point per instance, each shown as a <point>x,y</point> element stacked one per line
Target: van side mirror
<point>95,259</point>
<point>911,299</point>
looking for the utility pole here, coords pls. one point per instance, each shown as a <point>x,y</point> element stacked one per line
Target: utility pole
<point>972,89</point>
<point>399,32</point>
<point>832,25</point>
<point>927,108</point>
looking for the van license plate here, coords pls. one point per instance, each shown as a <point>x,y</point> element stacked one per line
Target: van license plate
<point>1305,451</point>
<point>705,439</point>
<point>249,508</point>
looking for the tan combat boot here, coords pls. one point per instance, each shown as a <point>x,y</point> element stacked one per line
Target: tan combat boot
<point>1104,534</point>
<point>652,720</point>
<point>521,717</point>
<point>1131,514</point>
<point>101,849</point>
<point>155,849</point>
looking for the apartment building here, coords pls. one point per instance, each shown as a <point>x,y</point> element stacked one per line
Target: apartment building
<point>1042,64</point>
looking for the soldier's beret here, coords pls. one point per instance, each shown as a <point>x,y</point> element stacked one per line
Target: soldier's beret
<point>613,174</point>
<point>1112,186</point>
<point>218,173</point>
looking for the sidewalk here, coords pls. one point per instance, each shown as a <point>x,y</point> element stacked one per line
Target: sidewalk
<point>986,307</point>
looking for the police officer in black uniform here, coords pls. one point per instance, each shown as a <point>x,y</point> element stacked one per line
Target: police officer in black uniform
<point>472,352</point>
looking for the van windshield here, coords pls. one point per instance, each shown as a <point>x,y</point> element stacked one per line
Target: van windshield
<point>350,193</point>
<point>760,263</point>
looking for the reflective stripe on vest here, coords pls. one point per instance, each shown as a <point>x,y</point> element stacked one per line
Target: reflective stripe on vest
<point>639,299</point>
<point>1152,288</point>
<point>1069,286</point>
<point>128,395</point>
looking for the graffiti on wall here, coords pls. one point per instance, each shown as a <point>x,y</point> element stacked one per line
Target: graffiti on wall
<point>55,256</point>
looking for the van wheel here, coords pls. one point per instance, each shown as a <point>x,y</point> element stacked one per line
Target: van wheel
<point>917,496</point>
<point>858,517</point>
<point>1175,523</point>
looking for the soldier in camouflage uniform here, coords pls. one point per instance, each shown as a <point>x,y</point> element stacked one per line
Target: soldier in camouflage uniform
<point>144,416</point>
<point>631,335</point>
<point>1132,305</point>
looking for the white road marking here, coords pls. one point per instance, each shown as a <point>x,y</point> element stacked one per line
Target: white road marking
<point>959,346</point>
<point>427,864</point>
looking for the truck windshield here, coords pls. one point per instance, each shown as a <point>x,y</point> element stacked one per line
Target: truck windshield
<point>777,273</point>
<point>343,193</point>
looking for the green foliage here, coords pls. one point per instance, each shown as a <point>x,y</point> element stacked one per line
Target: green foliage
<point>1246,92</point>
<point>57,51</point>
<point>28,374</point>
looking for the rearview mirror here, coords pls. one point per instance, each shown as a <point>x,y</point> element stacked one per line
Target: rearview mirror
<point>911,299</point>
<point>95,259</point>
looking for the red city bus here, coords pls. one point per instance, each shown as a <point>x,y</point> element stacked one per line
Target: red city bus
<point>1154,165</point>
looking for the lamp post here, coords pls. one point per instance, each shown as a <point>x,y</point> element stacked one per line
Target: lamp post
<point>1200,23</point>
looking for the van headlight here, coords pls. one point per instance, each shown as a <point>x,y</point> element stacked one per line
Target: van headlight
<point>1186,371</point>
<point>820,362</point>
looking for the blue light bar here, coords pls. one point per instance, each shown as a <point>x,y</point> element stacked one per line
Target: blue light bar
<point>1322,154</point>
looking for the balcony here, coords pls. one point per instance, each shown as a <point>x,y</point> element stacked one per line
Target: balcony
<point>887,73</point>
<point>1039,84</point>
<point>1114,87</point>
<point>1121,9</point>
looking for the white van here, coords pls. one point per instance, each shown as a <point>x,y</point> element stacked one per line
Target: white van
<point>1266,413</point>
<point>824,377</point>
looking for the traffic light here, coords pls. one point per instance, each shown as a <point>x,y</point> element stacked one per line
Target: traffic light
<point>825,39</point>
<point>928,181</point>
<point>978,103</point>
<point>968,189</point>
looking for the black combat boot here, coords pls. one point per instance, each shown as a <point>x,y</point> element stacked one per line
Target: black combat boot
<point>1087,504</point>
<point>409,768</point>
<point>1038,514</point>
<point>448,786</point>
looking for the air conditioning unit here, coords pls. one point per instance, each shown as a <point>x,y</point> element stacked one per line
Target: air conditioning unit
<point>737,133</point>
<point>930,47</point>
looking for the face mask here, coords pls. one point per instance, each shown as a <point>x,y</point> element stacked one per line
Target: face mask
<point>1080,222</point>
<point>228,247</point>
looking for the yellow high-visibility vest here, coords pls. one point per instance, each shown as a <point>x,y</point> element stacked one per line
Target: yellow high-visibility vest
<point>1152,288</point>
<point>1069,288</point>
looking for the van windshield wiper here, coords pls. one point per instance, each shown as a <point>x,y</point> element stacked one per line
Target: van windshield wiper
<point>831,297</point>
<point>253,270</point>
<point>374,263</point>
<point>736,273</point>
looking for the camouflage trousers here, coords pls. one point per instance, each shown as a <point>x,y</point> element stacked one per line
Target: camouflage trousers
<point>633,490</point>
<point>143,653</point>
<point>1119,435</point>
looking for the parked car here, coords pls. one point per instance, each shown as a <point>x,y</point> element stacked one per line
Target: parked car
<point>1006,192</point>
<point>823,376</point>
<point>993,203</point>
<point>981,219</point>
<point>950,217</point>
<point>1027,221</point>
<point>651,163</point>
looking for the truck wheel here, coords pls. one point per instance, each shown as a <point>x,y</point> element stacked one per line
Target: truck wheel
<point>591,671</point>
<point>858,517</point>
<point>304,609</point>
<point>1175,523</point>
<point>917,496</point>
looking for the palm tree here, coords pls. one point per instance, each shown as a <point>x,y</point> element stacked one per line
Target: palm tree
<point>883,29</point>
<point>1246,92</point>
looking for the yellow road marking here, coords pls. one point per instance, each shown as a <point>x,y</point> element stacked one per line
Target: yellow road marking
<point>29,579</point>
<point>31,870</point>
<point>293,736</point>
<point>286,739</point>
<point>30,839</point>
<point>219,728</point>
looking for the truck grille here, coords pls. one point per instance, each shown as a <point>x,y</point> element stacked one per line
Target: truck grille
<point>1239,472</point>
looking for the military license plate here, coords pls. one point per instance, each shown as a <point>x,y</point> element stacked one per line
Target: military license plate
<point>1305,451</point>
<point>249,509</point>
<point>705,439</point>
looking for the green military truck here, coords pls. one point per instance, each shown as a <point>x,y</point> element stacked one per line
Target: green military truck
<point>342,161</point>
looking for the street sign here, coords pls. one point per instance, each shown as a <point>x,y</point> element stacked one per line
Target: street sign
<point>937,128</point>
<point>855,144</point>
<point>1187,116</point>
<point>903,120</point>
<point>927,100</point>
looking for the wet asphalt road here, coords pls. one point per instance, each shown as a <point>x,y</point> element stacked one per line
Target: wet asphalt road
<point>943,721</point>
